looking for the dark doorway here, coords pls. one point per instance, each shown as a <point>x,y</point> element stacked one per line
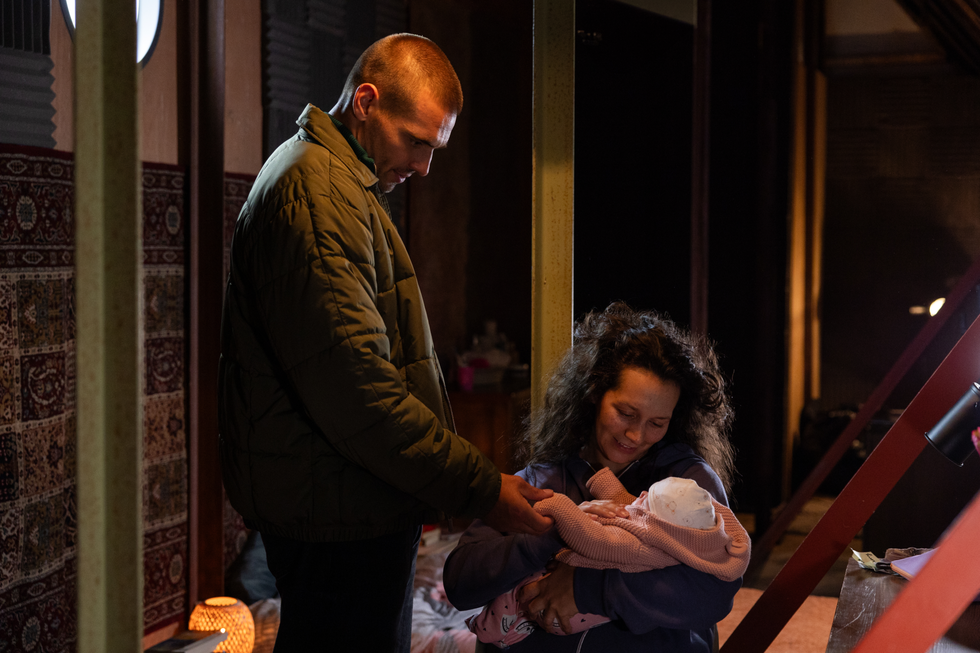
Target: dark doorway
<point>633,84</point>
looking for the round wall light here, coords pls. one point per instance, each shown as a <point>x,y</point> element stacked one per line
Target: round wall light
<point>149,18</point>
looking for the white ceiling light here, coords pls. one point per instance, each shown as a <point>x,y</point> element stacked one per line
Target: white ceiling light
<point>149,14</point>
<point>931,309</point>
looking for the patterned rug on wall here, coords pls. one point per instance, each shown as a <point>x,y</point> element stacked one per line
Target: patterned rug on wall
<point>165,464</point>
<point>37,405</point>
<point>237,187</point>
<point>38,520</point>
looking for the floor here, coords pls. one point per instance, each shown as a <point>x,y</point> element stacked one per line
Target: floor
<point>807,632</point>
<point>809,629</point>
<point>812,512</point>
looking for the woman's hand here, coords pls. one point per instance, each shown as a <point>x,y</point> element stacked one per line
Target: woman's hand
<point>552,598</point>
<point>603,508</point>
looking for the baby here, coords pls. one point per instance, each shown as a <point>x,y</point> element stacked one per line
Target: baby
<point>675,522</point>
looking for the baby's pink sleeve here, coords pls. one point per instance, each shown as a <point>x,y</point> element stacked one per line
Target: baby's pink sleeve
<point>503,623</point>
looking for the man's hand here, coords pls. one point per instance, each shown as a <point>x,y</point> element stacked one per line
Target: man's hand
<point>513,513</point>
<point>550,601</point>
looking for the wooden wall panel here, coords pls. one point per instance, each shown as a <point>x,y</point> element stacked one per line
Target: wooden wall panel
<point>243,86</point>
<point>903,177</point>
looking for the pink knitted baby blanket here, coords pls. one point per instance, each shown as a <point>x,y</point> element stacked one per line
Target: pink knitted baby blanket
<point>644,541</point>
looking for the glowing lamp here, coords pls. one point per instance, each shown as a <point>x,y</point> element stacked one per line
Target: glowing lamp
<point>229,615</point>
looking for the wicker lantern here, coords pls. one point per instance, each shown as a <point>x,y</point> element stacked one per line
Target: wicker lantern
<point>227,614</point>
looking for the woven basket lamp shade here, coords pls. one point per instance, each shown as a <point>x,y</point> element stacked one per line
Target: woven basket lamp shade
<point>230,615</point>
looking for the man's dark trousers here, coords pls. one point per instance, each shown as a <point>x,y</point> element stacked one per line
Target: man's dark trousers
<point>345,596</point>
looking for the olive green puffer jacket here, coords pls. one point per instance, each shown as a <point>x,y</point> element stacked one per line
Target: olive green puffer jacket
<point>334,419</point>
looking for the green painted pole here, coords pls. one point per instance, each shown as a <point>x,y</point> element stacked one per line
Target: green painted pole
<point>108,304</point>
<point>553,188</point>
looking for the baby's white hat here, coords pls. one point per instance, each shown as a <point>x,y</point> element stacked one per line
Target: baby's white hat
<point>682,502</point>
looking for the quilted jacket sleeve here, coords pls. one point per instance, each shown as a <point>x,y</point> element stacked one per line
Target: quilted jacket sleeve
<point>316,292</point>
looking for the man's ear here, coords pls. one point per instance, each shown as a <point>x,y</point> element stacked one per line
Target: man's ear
<point>366,98</point>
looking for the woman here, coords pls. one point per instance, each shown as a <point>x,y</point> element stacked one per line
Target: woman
<point>644,398</point>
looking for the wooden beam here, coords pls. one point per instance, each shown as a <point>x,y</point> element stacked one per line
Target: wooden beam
<point>553,145</point>
<point>873,481</point>
<point>761,548</point>
<point>816,183</point>
<point>796,373</point>
<point>932,602</point>
<point>806,226</point>
<point>816,177</point>
<point>206,177</point>
<point>700,168</point>
<point>108,254</point>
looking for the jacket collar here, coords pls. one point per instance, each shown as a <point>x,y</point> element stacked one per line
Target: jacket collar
<point>320,128</point>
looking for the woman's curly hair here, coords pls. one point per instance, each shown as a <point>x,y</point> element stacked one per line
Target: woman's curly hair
<point>604,344</point>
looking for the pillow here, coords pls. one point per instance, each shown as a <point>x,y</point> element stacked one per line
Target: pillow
<point>248,578</point>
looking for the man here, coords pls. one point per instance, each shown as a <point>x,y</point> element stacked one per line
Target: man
<point>336,433</point>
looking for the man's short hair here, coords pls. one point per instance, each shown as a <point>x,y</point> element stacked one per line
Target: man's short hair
<point>400,66</point>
